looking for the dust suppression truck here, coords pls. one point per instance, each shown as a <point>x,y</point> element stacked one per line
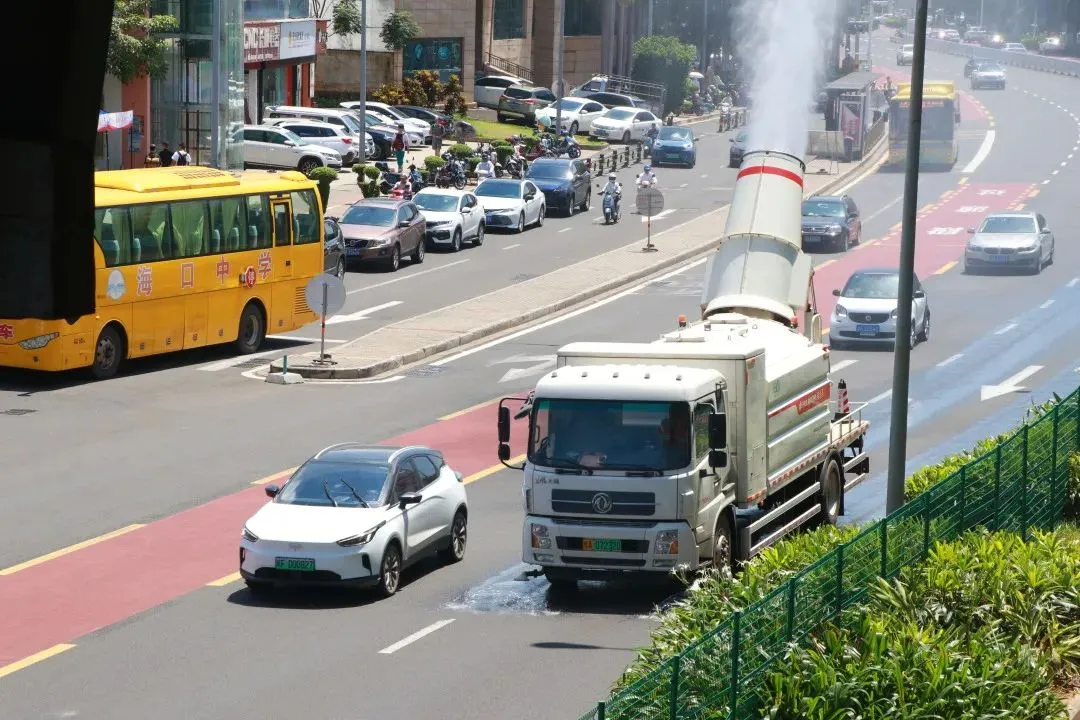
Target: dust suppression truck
<point>709,444</point>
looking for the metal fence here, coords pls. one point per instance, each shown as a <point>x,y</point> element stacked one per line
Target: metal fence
<point>1028,60</point>
<point>1020,485</point>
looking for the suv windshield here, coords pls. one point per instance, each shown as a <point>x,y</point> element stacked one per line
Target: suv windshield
<point>519,93</point>
<point>610,434</point>
<point>369,215</point>
<point>550,171</point>
<point>290,135</point>
<point>1006,224</point>
<point>334,484</point>
<point>823,208</point>
<point>436,202</point>
<point>879,286</point>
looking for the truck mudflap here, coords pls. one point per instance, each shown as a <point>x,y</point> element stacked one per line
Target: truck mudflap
<point>585,548</point>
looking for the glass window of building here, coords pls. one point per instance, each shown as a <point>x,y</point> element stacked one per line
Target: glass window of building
<point>583,17</point>
<point>508,19</point>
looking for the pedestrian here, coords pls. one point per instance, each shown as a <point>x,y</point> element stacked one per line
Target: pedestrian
<point>438,130</point>
<point>152,159</point>
<point>399,147</point>
<point>181,157</point>
<point>165,156</point>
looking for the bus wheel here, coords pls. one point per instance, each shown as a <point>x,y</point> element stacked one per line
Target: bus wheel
<point>252,330</point>
<point>108,353</point>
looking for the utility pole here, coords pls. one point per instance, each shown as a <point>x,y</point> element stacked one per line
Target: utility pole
<point>982,9</point>
<point>902,352</point>
<point>704,35</point>
<point>560,46</point>
<point>870,40</point>
<point>363,81</point>
<point>648,24</point>
<point>215,88</point>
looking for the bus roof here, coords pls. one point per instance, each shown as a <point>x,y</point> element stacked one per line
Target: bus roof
<point>937,89</point>
<point>128,187</point>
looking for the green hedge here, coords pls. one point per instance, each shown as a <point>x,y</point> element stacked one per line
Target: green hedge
<point>716,649</point>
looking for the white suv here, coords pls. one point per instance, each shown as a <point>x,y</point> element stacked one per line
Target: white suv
<point>266,146</point>
<point>334,137</point>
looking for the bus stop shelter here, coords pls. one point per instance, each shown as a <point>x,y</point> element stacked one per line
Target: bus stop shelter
<point>854,106</point>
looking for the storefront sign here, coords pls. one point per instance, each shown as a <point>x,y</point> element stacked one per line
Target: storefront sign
<point>262,42</point>
<point>297,39</point>
<point>441,55</point>
<point>322,35</point>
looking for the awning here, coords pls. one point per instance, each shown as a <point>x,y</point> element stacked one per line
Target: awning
<point>115,120</point>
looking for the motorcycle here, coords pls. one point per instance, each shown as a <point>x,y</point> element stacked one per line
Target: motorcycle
<point>650,139</point>
<point>515,167</point>
<point>611,208</point>
<point>452,173</point>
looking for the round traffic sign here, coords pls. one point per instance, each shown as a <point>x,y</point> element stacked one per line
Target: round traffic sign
<point>325,290</point>
<point>650,201</point>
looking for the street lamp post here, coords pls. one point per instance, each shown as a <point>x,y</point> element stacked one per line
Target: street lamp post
<point>902,353</point>
<point>363,82</point>
<point>704,34</point>
<point>560,46</point>
<point>215,87</point>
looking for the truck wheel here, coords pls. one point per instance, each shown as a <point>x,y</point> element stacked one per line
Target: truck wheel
<point>832,482</point>
<point>722,556</point>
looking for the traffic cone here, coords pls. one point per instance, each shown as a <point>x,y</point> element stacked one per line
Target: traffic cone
<point>843,407</point>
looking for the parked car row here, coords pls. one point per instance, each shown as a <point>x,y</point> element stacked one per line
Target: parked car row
<point>515,98</point>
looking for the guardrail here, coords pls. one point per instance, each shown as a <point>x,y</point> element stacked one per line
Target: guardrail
<point>1020,485</point>
<point>615,158</point>
<point>1028,61</point>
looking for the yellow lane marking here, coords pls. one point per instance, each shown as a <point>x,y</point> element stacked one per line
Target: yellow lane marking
<point>468,410</point>
<point>223,581</point>
<point>825,264</point>
<point>70,549</point>
<point>927,208</point>
<point>963,181</point>
<point>945,268</point>
<point>276,476</point>
<point>491,470</point>
<point>1033,193</point>
<point>33,659</point>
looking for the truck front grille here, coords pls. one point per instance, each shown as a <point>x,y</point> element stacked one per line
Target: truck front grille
<point>605,561</point>
<point>584,502</point>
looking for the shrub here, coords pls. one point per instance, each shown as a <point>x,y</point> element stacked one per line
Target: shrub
<point>389,94</point>
<point>324,176</point>
<point>502,152</point>
<point>370,188</point>
<point>371,172</point>
<point>414,92</point>
<point>461,150</point>
<point>454,97</point>
<point>433,162</point>
<point>433,89</point>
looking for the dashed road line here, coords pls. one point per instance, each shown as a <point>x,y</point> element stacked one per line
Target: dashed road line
<point>950,360</point>
<point>418,635</point>
<point>1008,328</point>
<point>1046,304</point>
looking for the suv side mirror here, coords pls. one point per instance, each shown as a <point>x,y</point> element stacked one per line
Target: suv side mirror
<point>407,499</point>
<point>919,294</point>
<point>836,292</point>
<point>290,143</point>
<point>272,490</point>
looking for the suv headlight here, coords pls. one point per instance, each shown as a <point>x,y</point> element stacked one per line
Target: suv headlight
<point>248,535</point>
<point>362,539</point>
<point>667,542</point>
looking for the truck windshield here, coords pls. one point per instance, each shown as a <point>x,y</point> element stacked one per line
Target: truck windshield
<point>610,434</point>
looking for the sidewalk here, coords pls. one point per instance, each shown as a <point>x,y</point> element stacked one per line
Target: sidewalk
<point>410,340</point>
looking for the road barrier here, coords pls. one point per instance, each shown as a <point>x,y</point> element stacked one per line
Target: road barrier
<point>1020,485</point>
<point>1028,61</point>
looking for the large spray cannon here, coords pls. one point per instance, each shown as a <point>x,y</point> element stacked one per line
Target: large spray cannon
<point>760,270</point>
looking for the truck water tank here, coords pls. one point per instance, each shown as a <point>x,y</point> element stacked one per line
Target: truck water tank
<point>760,269</point>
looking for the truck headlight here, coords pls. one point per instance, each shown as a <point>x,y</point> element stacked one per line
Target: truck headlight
<point>667,542</point>
<point>540,538</point>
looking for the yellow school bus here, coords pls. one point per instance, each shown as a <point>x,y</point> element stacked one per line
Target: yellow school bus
<point>184,257</point>
<point>939,145</point>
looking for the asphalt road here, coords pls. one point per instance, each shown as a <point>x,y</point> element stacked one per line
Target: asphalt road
<point>150,639</point>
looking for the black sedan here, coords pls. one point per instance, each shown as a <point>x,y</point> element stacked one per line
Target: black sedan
<point>334,248</point>
<point>738,149</point>
<point>566,184</point>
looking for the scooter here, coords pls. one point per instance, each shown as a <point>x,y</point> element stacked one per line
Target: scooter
<point>612,211</point>
<point>452,173</point>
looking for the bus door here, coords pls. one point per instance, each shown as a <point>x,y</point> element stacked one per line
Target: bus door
<point>283,296</point>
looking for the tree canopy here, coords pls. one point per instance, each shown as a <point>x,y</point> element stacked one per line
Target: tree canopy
<point>135,46</point>
<point>664,60</point>
<point>398,29</point>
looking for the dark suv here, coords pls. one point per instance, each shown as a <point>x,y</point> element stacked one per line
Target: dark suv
<point>831,221</point>
<point>566,184</point>
<point>523,102</point>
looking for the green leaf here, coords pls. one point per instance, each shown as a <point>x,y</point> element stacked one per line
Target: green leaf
<point>135,46</point>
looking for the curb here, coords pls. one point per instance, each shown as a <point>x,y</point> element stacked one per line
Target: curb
<point>486,331</point>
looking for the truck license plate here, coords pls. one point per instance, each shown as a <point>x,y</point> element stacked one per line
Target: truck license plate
<point>601,545</point>
<point>867,329</point>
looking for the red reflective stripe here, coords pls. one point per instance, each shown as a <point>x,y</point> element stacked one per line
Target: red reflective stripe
<point>805,402</point>
<point>770,170</point>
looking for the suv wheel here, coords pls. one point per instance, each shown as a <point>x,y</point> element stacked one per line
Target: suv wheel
<point>307,165</point>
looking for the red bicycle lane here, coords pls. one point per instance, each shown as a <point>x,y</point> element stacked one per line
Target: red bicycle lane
<point>67,597</point>
<point>940,237</point>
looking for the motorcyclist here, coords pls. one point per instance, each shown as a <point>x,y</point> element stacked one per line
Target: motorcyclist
<point>415,179</point>
<point>615,189</point>
<point>485,168</point>
<point>647,178</point>
<point>402,189</point>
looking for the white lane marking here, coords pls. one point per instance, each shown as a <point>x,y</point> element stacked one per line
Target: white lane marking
<point>878,398</point>
<point>1046,304</point>
<point>230,362</point>
<point>984,151</point>
<point>843,364</point>
<point>511,247</point>
<point>403,278</point>
<point>1045,182</point>
<point>296,338</point>
<point>950,360</point>
<point>684,185</point>
<point>1008,328</point>
<point>569,315</point>
<point>566,230</point>
<point>391,649</point>
<point>1069,157</point>
<point>1063,163</point>
<point>1008,385</point>
<point>1072,283</point>
<point>873,215</point>
<point>659,216</point>
<point>704,175</point>
<point>361,314</point>
<point>1055,172</point>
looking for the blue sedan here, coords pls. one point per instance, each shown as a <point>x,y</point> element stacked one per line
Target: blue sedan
<point>675,146</point>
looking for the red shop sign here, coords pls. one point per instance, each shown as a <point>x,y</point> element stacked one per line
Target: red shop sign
<point>262,42</point>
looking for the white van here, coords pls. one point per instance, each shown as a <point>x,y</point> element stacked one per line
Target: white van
<point>333,116</point>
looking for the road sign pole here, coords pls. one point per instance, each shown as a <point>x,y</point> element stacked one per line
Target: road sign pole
<point>322,338</point>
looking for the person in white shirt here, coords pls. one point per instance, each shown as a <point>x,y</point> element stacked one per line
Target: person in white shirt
<point>647,178</point>
<point>485,169</point>
<point>614,187</point>
<point>181,157</point>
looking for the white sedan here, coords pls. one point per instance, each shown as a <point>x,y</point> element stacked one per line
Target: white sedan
<point>413,125</point>
<point>511,204</point>
<point>452,217</point>
<point>413,134</point>
<point>624,124</point>
<point>356,515</point>
<point>577,114</point>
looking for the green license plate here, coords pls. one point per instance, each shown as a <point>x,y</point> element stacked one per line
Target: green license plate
<point>302,564</point>
<point>601,545</point>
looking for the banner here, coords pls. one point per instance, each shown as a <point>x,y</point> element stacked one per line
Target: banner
<point>115,120</point>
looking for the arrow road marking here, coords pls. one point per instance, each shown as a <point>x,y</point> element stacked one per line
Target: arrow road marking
<point>1009,385</point>
<point>361,314</point>
<point>537,364</point>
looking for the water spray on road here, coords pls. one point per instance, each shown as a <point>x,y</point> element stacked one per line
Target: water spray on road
<point>783,44</point>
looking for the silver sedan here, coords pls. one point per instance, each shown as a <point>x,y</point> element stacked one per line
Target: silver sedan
<point>1010,240</point>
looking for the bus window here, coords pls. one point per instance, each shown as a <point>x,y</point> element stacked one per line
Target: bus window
<point>258,219</point>
<point>305,217</point>
<point>189,228</point>
<point>227,224</point>
<point>282,224</point>
<point>151,234</point>
<point>112,228</point>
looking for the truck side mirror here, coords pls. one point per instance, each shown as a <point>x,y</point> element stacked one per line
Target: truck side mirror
<point>504,425</point>
<point>717,431</point>
<point>717,459</point>
<point>504,452</point>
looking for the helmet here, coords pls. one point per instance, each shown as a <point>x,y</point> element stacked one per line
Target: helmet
<point>611,176</point>
<point>648,167</point>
